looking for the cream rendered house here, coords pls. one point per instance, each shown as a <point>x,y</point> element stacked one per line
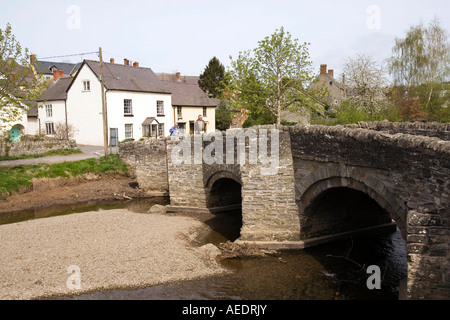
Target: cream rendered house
<point>188,102</point>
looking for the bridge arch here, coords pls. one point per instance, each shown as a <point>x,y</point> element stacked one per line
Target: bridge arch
<point>346,186</point>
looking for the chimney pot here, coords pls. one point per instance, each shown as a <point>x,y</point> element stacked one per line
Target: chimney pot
<point>57,74</point>
<point>136,64</point>
<point>111,60</point>
<point>331,73</point>
<point>323,69</point>
<point>126,62</point>
<point>178,76</point>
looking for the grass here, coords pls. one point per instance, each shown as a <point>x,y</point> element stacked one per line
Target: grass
<point>13,178</point>
<point>60,152</point>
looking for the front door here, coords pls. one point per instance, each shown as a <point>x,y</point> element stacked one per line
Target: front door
<point>14,134</point>
<point>113,137</point>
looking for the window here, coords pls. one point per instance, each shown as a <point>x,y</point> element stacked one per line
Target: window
<point>161,130</point>
<point>127,107</point>
<point>204,112</point>
<point>48,110</point>
<point>86,85</point>
<point>160,108</point>
<point>128,131</point>
<point>179,115</point>
<point>49,128</point>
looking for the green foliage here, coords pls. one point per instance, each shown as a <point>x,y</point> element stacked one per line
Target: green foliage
<point>18,84</point>
<point>224,116</point>
<point>348,113</point>
<point>12,178</point>
<point>212,80</point>
<point>273,76</point>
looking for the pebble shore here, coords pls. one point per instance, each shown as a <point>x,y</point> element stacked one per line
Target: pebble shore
<point>90,251</point>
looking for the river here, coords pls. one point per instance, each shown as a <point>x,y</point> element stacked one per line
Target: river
<point>336,270</point>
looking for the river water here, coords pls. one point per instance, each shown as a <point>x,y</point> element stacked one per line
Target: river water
<point>331,271</point>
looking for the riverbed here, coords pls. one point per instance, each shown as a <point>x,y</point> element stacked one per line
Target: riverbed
<point>330,271</point>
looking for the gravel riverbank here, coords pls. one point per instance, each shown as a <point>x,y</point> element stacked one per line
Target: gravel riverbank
<point>107,249</point>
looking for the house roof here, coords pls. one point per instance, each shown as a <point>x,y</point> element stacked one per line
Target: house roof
<point>46,67</point>
<point>174,78</point>
<point>57,90</point>
<point>128,78</point>
<point>184,94</point>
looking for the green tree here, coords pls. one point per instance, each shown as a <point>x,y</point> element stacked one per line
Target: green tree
<point>272,77</point>
<point>421,64</point>
<point>212,80</point>
<point>18,84</point>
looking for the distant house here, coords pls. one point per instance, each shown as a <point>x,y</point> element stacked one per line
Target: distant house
<point>331,92</point>
<point>138,103</point>
<point>189,101</point>
<point>47,68</point>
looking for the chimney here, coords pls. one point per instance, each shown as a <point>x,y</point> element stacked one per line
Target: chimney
<point>126,62</point>
<point>111,60</point>
<point>323,69</point>
<point>136,64</point>
<point>57,74</point>
<point>178,76</point>
<point>331,73</point>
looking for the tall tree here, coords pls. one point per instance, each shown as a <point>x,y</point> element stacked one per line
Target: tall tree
<point>422,61</point>
<point>18,84</point>
<point>273,76</point>
<point>366,83</point>
<point>212,80</point>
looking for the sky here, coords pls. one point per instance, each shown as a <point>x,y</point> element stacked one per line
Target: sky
<point>183,35</point>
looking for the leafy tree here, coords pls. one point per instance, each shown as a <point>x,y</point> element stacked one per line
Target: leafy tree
<point>224,116</point>
<point>18,84</point>
<point>366,84</point>
<point>421,64</point>
<point>212,80</point>
<point>272,77</point>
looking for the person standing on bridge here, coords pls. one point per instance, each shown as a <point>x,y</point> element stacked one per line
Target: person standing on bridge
<point>175,130</point>
<point>199,125</point>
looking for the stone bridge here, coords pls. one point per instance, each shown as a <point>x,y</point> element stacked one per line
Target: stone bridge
<point>326,182</point>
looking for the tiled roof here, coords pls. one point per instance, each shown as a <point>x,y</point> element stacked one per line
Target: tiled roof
<point>45,67</point>
<point>57,90</point>
<point>184,94</point>
<point>128,78</point>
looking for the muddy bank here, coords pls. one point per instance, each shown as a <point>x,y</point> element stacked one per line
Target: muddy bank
<point>50,193</point>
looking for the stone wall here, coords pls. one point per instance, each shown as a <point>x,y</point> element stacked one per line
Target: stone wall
<point>15,149</point>
<point>429,129</point>
<point>147,160</point>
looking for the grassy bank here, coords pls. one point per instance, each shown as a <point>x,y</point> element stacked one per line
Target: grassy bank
<point>13,178</point>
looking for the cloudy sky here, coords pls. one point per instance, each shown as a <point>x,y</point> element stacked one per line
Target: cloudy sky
<point>183,35</point>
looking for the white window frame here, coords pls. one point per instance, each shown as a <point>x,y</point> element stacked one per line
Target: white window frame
<point>49,110</point>
<point>86,85</point>
<point>159,106</point>
<point>49,128</point>
<point>127,107</point>
<point>128,131</point>
<point>161,130</point>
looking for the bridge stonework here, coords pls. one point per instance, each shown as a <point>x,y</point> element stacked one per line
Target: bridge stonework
<point>404,168</point>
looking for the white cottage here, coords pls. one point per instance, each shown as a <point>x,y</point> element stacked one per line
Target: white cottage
<point>138,104</point>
